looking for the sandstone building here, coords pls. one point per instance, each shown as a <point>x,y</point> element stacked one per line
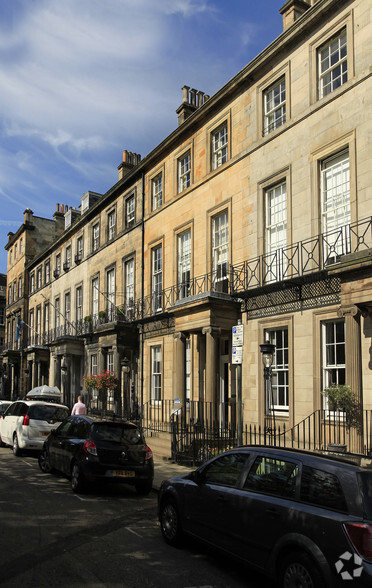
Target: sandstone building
<point>256,210</point>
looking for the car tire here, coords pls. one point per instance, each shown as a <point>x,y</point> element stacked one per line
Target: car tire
<point>16,449</point>
<point>78,481</point>
<point>44,463</point>
<point>143,487</point>
<point>299,570</point>
<point>170,523</point>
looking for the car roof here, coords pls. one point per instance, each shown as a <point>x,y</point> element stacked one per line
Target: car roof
<point>355,461</point>
<point>104,419</point>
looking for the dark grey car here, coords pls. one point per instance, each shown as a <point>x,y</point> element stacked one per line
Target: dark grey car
<point>304,519</point>
<point>90,449</point>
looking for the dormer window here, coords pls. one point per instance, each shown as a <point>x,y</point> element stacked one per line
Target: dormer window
<point>84,203</point>
<point>68,219</point>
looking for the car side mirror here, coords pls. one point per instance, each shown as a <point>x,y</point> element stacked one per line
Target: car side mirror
<point>197,476</point>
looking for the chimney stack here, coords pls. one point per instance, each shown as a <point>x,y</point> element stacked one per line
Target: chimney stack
<point>130,160</point>
<point>191,100</point>
<point>292,10</point>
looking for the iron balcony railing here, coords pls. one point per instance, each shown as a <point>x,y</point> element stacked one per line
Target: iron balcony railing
<point>301,259</point>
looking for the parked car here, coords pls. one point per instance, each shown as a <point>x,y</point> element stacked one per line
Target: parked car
<point>3,406</point>
<point>89,449</point>
<point>27,423</point>
<point>303,519</point>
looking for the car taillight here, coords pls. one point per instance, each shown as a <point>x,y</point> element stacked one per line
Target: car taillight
<point>26,420</point>
<point>90,447</point>
<point>148,453</point>
<point>360,535</point>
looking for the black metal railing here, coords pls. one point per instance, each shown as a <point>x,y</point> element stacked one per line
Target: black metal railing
<point>201,430</point>
<point>301,259</point>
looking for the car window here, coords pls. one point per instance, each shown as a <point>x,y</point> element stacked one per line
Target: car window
<point>117,433</point>
<point>225,470</point>
<point>322,488</point>
<point>365,483</point>
<point>21,409</point>
<point>64,428</point>
<point>79,429</point>
<point>48,413</point>
<point>272,476</point>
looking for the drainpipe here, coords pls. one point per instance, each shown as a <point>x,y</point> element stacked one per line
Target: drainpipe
<point>143,277</point>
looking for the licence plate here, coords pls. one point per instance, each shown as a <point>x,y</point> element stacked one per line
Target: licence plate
<point>123,474</point>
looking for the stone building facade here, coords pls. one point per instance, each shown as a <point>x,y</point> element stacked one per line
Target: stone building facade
<point>256,210</point>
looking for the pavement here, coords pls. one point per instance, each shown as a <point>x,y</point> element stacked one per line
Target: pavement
<point>164,469</point>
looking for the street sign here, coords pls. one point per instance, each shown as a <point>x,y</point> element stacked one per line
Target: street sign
<point>238,335</point>
<point>237,355</point>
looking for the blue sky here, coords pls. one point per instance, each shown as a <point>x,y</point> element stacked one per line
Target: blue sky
<point>83,80</point>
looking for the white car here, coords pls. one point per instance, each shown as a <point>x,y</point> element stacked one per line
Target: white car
<point>27,423</point>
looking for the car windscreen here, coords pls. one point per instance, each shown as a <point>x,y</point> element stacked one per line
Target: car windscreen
<point>51,414</point>
<point>119,433</point>
<point>365,482</point>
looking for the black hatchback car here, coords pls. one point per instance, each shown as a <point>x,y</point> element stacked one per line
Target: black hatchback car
<point>87,449</point>
<point>304,519</point>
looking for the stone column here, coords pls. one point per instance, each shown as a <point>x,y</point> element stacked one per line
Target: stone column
<point>353,360</point>
<point>180,373</point>
<point>34,374</point>
<point>211,363</point>
<point>38,367</point>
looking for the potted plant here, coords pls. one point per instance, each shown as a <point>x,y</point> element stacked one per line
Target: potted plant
<point>88,319</point>
<point>101,316</point>
<point>342,401</point>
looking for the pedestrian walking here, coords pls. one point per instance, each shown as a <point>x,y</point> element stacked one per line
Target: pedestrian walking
<point>79,407</point>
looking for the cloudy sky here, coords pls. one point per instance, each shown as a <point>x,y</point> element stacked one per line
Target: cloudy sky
<point>81,80</point>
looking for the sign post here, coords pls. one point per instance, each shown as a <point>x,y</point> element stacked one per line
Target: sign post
<point>237,359</point>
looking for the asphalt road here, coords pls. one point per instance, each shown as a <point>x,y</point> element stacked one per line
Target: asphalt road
<point>50,536</point>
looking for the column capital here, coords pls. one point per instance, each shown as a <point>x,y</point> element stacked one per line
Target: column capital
<point>179,335</point>
<point>347,310</point>
<point>211,331</point>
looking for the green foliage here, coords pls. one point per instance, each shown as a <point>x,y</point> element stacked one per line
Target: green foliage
<point>342,399</point>
<point>88,319</point>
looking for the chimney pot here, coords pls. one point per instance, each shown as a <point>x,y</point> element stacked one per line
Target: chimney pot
<point>185,94</point>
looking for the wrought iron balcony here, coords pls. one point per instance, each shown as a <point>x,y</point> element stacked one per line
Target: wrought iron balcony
<point>311,256</point>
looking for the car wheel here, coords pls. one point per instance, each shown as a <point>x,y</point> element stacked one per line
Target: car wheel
<point>16,449</point>
<point>143,487</point>
<point>170,523</point>
<point>78,481</point>
<point>44,463</point>
<point>299,570</point>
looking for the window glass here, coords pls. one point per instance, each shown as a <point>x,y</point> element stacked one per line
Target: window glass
<point>219,147</point>
<point>157,191</point>
<point>272,476</point>
<point>116,433</point>
<point>274,106</point>
<point>365,482</point>
<point>184,172</point>
<point>278,397</point>
<point>51,414</point>
<point>332,63</point>
<point>225,470</point>
<point>64,428</point>
<point>322,489</point>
